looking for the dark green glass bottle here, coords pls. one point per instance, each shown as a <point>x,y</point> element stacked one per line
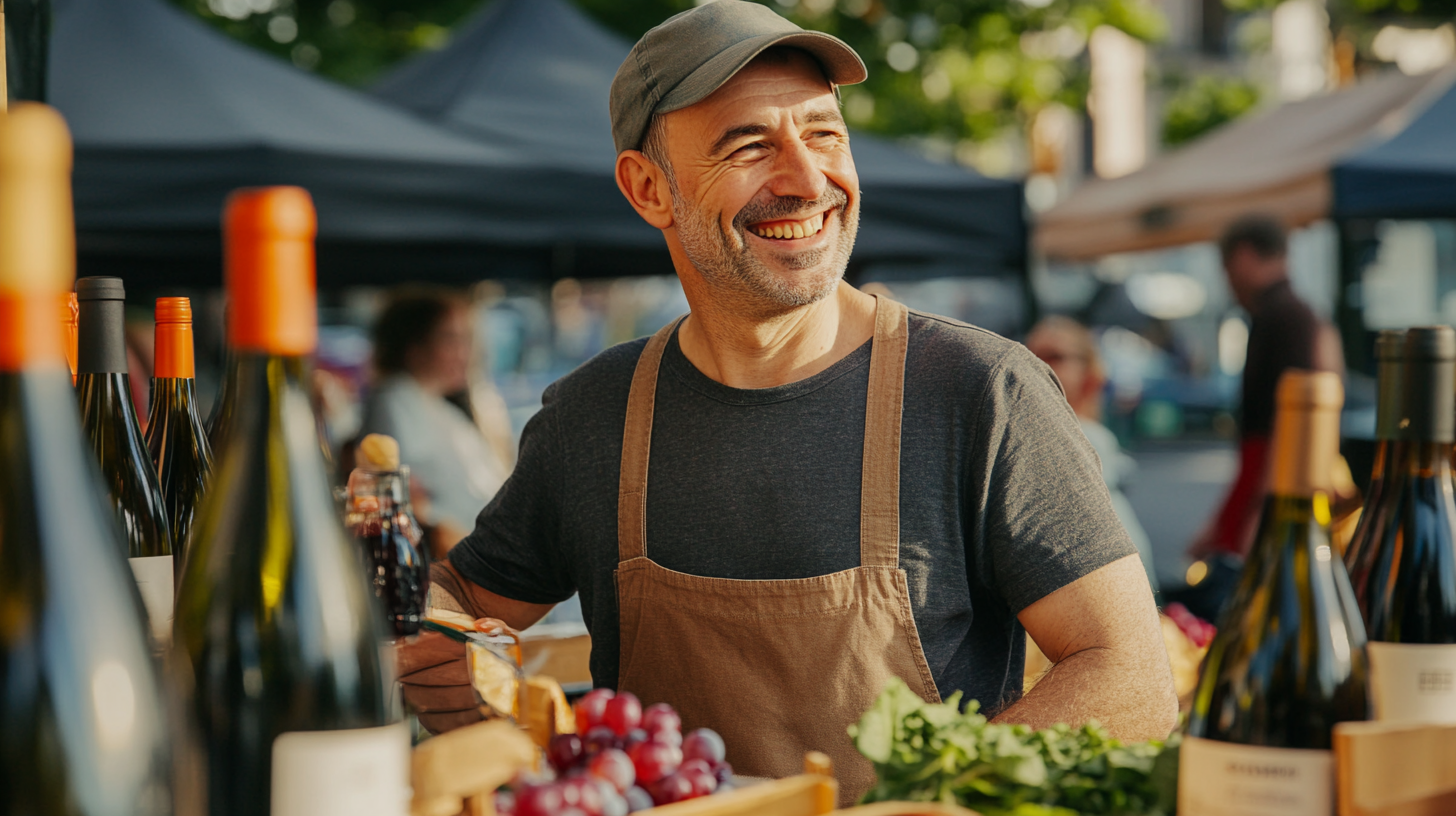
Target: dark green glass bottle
<point>176,440</point>
<point>1289,658</point>
<point>276,625</point>
<point>110,421</point>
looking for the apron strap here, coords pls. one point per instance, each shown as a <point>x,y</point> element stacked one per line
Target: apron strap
<point>637,447</point>
<point>879,498</point>
<point>880,481</point>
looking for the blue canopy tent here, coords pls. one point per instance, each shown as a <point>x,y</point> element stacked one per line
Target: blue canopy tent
<point>534,75</point>
<point>1410,173</point>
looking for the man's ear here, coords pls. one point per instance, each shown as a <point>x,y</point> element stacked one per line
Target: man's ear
<point>646,188</point>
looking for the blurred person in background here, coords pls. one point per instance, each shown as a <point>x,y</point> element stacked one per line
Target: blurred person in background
<point>423,346</point>
<point>1284,333</point>
<point>1071,351</point>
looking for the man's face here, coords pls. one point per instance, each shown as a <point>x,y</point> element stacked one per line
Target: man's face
<point>765,195</point>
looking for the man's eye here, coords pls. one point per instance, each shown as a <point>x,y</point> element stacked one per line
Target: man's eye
<point>750,147</point>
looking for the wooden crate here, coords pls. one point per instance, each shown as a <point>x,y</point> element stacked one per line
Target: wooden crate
<point>1395,769</point>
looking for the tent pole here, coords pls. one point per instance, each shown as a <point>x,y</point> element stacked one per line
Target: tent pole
<point>1356,238</point>
<point>4,80</point>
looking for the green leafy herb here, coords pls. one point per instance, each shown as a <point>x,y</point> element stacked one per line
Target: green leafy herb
<point>926,752</point>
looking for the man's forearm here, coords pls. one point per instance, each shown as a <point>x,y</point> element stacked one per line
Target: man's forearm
<point>1134,702</point>
<point>478,602</point>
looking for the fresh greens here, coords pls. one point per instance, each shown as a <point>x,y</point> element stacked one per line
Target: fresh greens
<point>935,752</point>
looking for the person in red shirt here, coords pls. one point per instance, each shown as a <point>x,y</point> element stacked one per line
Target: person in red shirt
<point>1284,333</point>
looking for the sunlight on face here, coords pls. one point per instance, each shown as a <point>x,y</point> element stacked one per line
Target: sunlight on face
<point>765,195</point>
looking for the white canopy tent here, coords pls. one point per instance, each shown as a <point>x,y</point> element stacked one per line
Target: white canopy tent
<point>1278,162</point>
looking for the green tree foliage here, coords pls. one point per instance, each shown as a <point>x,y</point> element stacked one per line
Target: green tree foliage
<point>949,69</point>
<point>1204,104</point>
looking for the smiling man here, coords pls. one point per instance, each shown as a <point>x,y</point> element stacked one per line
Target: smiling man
<point>841,491</point>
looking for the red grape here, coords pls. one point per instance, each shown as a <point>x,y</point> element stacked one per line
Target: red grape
<point>695,765</point>
<point>674,788</point>
<point>582,792</point>
<point>589,709</point>
<point>615,767</point>
<point>704,744</point>
<point>631,738</point>
<point>637,799</point>
<point>654,760</point>
<point>702,780</point>
<point>613,803</point>
<point>598,739</point>
<point>623,713</point>
<point>666,736</point>
<point>539,800</point>
<point>505,802</point>
<point>565,751</point>
<point>659,716</point>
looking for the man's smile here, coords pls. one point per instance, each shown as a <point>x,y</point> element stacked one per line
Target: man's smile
<point>789,230</point>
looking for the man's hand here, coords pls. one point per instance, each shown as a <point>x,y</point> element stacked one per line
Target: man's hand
<point>1103,638</point>
<point>436,682</point>
<point>432,667</point>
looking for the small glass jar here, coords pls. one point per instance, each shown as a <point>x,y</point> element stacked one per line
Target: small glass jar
<point>377,511</point>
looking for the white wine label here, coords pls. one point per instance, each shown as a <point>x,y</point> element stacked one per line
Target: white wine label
<point>1413,681</point>
<point>1224,779</point>
<point>154,579</point>
<point>358,772</point>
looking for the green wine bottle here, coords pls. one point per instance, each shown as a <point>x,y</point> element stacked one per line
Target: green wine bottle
<point>83,731</point>
<point>110,421</point>
<point>176,440</point>
<point>1389,410</point>
<point>275,620</point>
<point>1406,576</point>
<point>1289,658</point>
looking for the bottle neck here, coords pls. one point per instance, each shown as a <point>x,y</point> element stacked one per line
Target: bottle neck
<point>1390,399</point>
<point>1429,409</point>
<point>1306,442</point>
<point>174,358</point>
<point>101,338</point>
<point>29,334</point>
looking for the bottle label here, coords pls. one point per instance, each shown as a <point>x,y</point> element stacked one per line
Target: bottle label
<point>1224,779</point>
<point>361,772</point>
<point>154,579</point>
<point>1413,681</point>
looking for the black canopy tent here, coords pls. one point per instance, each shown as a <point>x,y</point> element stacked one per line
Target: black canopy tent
<point>168,116</point>
<point>534,75</point>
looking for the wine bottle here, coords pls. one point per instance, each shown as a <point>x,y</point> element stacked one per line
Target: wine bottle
<point>222,407</point>
<point>274,618</point>
<point>110,421</point>
<point>1288,661</point>
<point>1389,410</point>
<point>70,316</point>
<point>1406,582</point>
<point>82,725</point>
<point>379,515</point>
<point>175,437</point>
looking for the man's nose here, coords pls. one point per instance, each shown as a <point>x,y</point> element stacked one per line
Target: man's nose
<point>797,173</point>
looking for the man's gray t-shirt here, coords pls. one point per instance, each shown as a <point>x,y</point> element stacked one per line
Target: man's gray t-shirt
<point>1001,497</point>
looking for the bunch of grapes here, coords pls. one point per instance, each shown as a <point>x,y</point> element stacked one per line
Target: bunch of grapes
<point>1196,629</point>
<point>621,760</point>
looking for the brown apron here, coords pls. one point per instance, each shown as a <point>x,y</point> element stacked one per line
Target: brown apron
<point>777,667</point>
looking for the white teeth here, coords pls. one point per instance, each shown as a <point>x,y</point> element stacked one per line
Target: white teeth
<point>794,229</point>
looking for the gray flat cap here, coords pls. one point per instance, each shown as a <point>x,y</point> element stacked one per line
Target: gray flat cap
<point>682,61</point>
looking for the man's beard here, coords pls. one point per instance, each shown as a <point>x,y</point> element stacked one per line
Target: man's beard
<point>722,260</point>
